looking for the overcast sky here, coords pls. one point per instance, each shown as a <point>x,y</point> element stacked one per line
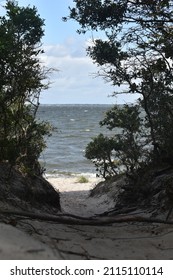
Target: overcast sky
<point>65,50</point>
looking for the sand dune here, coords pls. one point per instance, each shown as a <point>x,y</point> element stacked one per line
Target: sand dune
<point>36,239</point>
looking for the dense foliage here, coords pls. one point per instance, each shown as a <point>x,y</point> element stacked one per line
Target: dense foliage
<point>136,56</point>
<point>22,77</point>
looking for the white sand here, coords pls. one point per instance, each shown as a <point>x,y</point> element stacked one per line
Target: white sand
<point>16,244</point>
<point>75,196</point>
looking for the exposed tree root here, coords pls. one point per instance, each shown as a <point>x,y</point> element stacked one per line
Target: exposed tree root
<point>91,221</point>
<point>115,211</point>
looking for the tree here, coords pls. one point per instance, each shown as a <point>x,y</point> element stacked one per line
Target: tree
<point>22,78</point>
<point>125,150</point>
<point>136,56</point>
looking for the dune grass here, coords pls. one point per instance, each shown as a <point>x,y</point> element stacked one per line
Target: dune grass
<point>82,180</point>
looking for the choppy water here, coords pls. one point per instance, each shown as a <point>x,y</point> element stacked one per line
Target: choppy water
<point>76,125</point>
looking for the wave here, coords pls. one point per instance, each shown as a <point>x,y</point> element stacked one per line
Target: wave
<point>67,174</point>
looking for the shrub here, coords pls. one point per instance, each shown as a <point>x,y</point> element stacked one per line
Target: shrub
<point>82,180</point>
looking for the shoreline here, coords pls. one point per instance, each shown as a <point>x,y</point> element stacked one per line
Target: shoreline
<point>69,174</point>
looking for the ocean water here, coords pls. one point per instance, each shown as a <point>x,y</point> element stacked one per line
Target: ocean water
<point>75,126</point>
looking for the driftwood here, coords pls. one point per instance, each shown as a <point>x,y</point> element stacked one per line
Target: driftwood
<point>91,221</point>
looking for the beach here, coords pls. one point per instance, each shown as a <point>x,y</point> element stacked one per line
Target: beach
<point>38,239</point>
<point>75,199</point>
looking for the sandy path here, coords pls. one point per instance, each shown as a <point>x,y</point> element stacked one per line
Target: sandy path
<point>34,239</point>
<point>75,196</point>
